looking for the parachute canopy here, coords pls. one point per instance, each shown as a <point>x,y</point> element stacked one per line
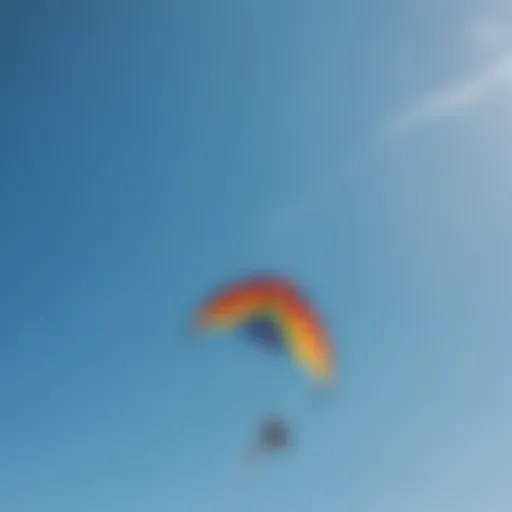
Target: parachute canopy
<point>272,312</point>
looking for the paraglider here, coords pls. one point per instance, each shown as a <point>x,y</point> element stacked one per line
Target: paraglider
<point>272,313</point>
<point>274,435</point>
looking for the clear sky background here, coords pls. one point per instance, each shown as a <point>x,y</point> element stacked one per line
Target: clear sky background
<point>151,150</point>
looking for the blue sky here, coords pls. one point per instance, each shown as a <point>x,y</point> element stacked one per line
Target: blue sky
<point>151,150</point>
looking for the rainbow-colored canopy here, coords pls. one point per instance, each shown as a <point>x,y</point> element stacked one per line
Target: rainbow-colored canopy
<point>273,311</point>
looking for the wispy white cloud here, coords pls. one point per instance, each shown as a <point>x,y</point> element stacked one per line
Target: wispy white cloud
<point>452,99</point>
<point>460,96</point>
